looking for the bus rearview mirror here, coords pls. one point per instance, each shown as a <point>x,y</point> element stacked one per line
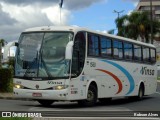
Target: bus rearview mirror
<point>69,48</point>
<point>16,44</point>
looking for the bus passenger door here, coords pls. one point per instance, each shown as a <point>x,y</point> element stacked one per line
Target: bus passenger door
<point>78,60</point>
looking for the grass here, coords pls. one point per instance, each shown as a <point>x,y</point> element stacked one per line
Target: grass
<point>14,118</point>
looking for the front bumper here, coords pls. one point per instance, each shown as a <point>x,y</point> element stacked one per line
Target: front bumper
<point>45,94</point>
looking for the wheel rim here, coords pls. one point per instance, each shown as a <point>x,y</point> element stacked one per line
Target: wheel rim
<point>90,95</point>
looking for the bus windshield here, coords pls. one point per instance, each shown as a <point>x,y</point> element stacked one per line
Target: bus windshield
<point>42,55</point>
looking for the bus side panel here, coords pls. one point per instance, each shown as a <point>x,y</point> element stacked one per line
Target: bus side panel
<point>120,78</point>
<point>151,83</point>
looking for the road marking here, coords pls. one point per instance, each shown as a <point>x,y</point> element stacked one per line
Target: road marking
<point>96,118</point>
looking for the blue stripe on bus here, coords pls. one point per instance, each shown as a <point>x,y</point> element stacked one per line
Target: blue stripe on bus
<point>128,75</point>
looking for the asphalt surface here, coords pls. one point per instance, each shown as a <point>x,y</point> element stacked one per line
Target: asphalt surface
<point>121,106</point>
<point>149,103</point>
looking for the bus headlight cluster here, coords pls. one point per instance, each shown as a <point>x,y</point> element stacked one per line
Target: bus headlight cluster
<point>60,87</point>
<point>18,86</point>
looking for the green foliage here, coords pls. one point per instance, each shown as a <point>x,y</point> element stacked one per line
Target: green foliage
<point>6,80</point>
<point>11,62</point>
<point>137,24</point>
<point>111,31</point>
<point>2,41</point>
<point>158,78</point>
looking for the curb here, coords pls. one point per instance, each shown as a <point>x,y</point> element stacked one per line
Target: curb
<point>13,98</point>
<point>7,98</point>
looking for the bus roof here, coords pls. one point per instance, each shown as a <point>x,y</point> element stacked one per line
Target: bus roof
<point>77,28</point>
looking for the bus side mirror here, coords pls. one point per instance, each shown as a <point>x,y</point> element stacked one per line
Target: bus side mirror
<point>16,44</point>
<point>69,49</point>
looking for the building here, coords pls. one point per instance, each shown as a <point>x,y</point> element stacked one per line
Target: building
<point>144,5</point>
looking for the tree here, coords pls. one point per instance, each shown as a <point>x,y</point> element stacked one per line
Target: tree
<point>120,25</point>
<point>137,24</point>
<point>2,42</point>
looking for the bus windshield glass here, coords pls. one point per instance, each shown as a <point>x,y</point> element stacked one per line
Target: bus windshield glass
<point>42,55</point>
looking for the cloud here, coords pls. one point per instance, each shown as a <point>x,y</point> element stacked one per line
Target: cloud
<point>135,4</point>
<point>129,12</point>
<point>16,18</point>
<point>69,4</point>
<point>28,2</point>
<point>80,4</point>
<point>30,15</point>
<point>5,18</point>
<point>55,17</point>
<point>18,15</point>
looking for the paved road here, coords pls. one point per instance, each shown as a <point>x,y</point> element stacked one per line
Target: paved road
<point>149,103</point>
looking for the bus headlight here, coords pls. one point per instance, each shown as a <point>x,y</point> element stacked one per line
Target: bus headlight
<point>60,87</point>
<point>18,86</point>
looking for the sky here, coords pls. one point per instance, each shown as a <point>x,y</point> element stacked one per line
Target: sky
<point>18,15</point>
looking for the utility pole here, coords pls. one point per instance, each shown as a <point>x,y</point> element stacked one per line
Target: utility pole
<point>118,12</point>
<point>60,7</point>
<point>151,23</point>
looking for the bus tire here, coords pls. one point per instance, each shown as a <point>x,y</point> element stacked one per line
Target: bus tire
<point>105,100</point>
<point>45,102</point>
<point>140,92</point>
<point>91,97</point>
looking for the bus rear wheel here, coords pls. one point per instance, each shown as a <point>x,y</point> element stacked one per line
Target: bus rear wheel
<point>91,97</point>
<point>140,92</point>
<point>45,102</point>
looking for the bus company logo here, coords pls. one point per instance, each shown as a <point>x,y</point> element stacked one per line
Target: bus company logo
<point>146,71</point>
<point>56,83</point>
<point>37,86</point>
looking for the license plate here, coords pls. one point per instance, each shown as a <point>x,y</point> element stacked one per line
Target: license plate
<point>37,94</point>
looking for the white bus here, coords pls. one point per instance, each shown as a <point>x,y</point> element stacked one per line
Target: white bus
<point>69,63</point>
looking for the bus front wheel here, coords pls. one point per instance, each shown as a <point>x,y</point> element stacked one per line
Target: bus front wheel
<point>45,102</point>
<point>91,97</point>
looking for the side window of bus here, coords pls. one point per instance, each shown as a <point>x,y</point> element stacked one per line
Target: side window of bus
<point>93,45</point>
<point>106,48</point>
<point>78,58</point>
<point>153,55</point>
<point>117,49</point>
<point>146,54</point>
<point>128,54</point>
<point>137,53</point>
